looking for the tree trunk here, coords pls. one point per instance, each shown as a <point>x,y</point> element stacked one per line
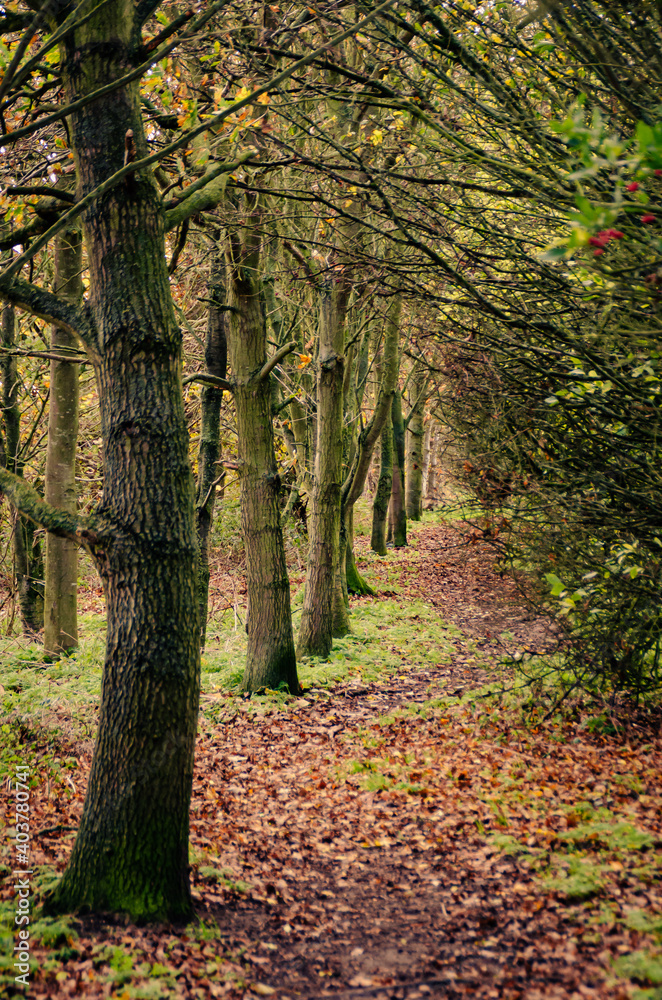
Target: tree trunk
<point>131,852</point>
<point>29,570</point>
<point>430,471</point>
<point>61,570</point>
<point>209,471</point>
<point>323,607</point>
<point>356,583</point>
<point>380,504</point>
<point>387,372</point>
<point>427,441</point>
<point>270,657</point>
<point>28,564</point>
<point>414,458</point>
<point>397,514</point>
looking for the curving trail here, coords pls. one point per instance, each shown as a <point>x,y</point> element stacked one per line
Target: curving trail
<point>367,842</point>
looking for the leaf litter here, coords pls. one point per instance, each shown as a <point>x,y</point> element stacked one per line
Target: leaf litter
<point>398,837</point>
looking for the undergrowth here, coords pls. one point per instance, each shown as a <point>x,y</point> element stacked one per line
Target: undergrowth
<point>63,696</point>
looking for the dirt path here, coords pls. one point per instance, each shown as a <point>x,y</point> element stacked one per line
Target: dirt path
<point>347,845</point>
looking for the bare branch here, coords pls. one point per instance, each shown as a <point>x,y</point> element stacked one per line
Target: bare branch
<point>42,189</point>
<point>275,410</point>
<point>47,306</point>
<point>59,522</point>
<point>204,193</point>
<point>182,140</point>
<point>134,74</point>
<point>220,383</point>
<point>281,353</point>
<point>78,359</point>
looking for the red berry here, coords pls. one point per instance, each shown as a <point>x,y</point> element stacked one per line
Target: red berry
<point>598,253</point>
<point>658,172</point>
<point>648,218</point>
<point>633,186</point>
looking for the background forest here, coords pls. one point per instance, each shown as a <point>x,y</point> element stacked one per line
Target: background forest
<point>464,207</point>
<point>263,263</point>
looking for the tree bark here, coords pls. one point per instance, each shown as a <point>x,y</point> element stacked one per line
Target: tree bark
<point>270,657</point>
<point>380,503</point>
<point>61,563</point>
<point>414,441</point>
<point>367,439</point>
<point>324,612</point>
<point>209,451</point>
<point>28,564</point>
<point>397,513</point>
<point>430,462</point>
<point>131,852</point>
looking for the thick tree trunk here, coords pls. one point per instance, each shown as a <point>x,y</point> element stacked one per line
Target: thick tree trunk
<point>397,527</point>
<point>380,504</point>
<point>324,612</point>
<point>61,564</point>
<point>209,471</point>
<point>414,458</point>
<point>270,657</point>
<point>131,852</point>
<point>28,564</point>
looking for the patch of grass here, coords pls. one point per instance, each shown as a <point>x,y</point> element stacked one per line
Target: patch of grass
<point>36,749</point>
<point>504,843</point>
<point>376,775</point>
<point>386,637</point>
<point>205,930</point>
<point>53,693</point>
<point>575,880</point>
<point>645,923</point>
<point>224,878</point>
<point>622,837</point>
<point>644,967</point>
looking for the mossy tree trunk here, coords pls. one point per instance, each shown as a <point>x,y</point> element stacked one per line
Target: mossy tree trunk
<point>61,562</point>
<point>397,528</point>
<point>382,497</point>
<point>131,852</point>
<point>414,442</point>
<point>324,613</point>
<point>270,658</point>
<point>28,564</point>
<point>209,451</point>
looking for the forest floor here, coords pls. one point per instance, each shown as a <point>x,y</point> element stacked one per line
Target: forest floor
<point>402,830</point>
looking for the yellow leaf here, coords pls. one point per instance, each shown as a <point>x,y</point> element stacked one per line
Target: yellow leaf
<point>241,94</point>
<point>264,99</point>
<point>262,990</point>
